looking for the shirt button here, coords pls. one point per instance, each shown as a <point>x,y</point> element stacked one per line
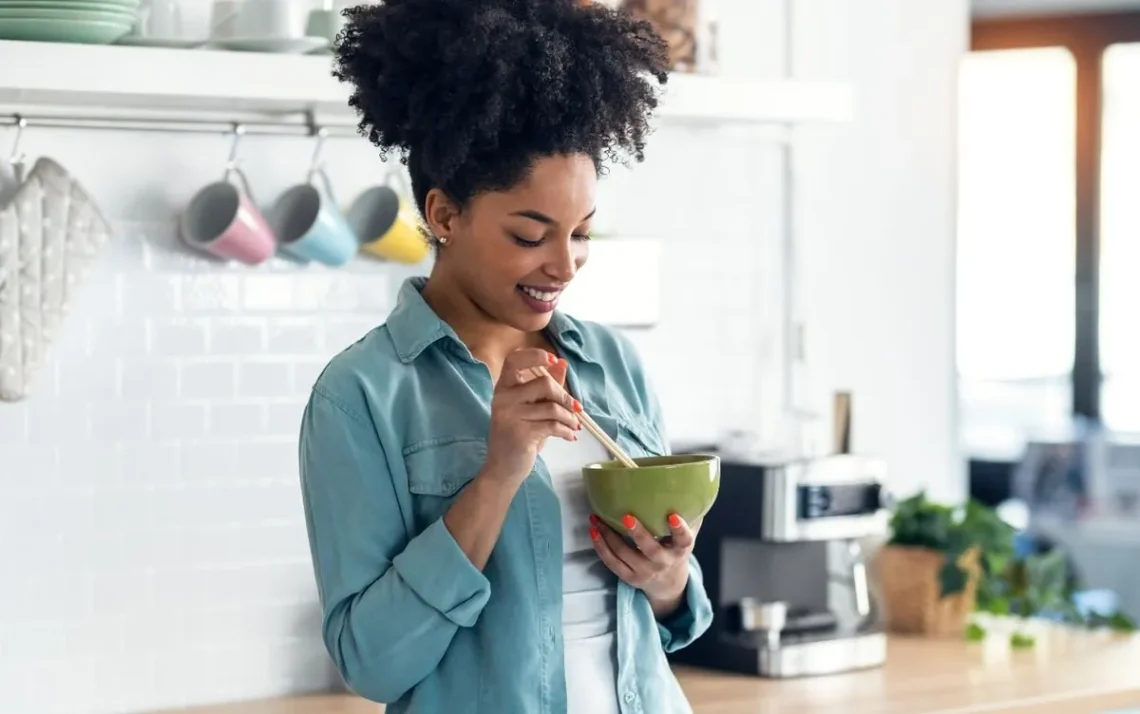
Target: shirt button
<point>629,697</point>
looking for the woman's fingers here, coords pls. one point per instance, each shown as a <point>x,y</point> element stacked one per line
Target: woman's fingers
<point>545,389</point>
<point>518,365</point>
<point>605,550</point>
<point>645,541</point>
<point>548,411</point>
<point>558,372</point>
<point>543,429</point>
<point>683,536</point>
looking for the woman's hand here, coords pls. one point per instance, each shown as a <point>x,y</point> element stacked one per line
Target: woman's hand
<point>525,411</point>
<point>659,568</point>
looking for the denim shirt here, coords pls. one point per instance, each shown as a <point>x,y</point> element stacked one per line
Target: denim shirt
<point>395,427</point>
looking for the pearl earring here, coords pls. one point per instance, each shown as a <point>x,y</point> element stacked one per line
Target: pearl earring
<point>443,241</point>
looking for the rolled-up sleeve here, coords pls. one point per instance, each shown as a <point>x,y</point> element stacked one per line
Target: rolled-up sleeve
<point>439,572</point>
<point>391,603</point>
<point>692,618</point>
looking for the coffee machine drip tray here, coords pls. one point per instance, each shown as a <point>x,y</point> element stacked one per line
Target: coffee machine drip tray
<point>802,655</point>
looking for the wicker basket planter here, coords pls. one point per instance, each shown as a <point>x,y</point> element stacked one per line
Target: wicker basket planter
<point>912,592</point>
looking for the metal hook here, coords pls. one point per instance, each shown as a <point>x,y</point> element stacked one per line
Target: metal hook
<point>315,163</point>
<point>232,161</point>
<point>16,158</point>
<point>21,124</point>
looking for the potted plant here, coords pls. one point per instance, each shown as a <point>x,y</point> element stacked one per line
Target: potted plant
<point>1038,586</point>
<point>942,564</point>
<point>930,569</point>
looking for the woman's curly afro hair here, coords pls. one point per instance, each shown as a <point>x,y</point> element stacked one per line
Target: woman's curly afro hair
<point>471,92</point>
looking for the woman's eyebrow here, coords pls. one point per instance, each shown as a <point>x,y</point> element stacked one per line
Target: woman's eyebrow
<point>543,218</point>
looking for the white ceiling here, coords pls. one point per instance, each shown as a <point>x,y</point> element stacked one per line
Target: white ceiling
<point>995,8</point>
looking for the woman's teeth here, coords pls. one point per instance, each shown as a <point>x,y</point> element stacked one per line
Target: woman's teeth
<point>538,294</point>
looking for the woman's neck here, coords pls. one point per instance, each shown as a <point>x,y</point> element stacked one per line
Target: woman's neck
<point>489,340</point>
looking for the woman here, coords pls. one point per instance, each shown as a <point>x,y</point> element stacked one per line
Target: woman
<point>458,565</point>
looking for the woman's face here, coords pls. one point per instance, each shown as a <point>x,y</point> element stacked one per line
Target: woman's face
<point>513,252</point>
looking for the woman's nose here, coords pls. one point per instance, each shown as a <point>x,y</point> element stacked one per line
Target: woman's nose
<point>563,263</point>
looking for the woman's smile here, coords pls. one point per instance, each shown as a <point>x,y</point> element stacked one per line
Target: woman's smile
<point>539,298</point>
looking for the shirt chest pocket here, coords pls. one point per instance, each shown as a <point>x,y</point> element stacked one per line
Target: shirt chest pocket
<point>636,437</point>
<point>437,471</point>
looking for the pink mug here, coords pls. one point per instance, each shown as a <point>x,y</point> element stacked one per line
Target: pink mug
<point>222,220</point>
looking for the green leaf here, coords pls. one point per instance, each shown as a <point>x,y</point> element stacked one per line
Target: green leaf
<point>998,606</point>
<point>1020,640</point>
<point>1048,572</point>
<point>1121,622</point>
<point>952,578</point>
<point>975,632</point>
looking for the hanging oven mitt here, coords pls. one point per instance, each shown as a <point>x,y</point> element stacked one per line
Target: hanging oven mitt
<point>50,233</point>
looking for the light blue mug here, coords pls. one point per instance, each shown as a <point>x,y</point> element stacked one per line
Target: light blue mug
<point>310,227</point>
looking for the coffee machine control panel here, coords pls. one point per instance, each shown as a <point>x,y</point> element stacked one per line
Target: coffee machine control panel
<point>832,497</point>
<point>831,500</point>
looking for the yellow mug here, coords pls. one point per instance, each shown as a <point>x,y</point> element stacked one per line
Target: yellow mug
<point>387,226</point>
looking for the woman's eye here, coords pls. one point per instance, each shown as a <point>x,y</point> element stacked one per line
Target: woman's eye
<point>581,236</point>
<point>526,243</point>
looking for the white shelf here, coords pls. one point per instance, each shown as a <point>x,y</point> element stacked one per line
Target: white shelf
<point>198,80</point>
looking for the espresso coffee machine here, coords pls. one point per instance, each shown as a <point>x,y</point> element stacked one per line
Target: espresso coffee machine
<point>782,555</point>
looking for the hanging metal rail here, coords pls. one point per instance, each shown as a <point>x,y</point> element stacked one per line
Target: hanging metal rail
<point>294,124</point>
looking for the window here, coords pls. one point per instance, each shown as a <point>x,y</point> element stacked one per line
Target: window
<point>1120,239</point>
<point>1016,244</point>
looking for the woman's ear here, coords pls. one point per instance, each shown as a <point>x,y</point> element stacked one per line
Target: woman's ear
<point>441,214</point>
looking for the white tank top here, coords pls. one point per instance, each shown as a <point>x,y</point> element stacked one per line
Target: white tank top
<point>589,589</point>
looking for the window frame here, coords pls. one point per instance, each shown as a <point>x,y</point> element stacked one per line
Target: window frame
<point>1087,36</point>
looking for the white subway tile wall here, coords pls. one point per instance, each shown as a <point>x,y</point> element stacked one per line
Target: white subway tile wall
<point>152,544</point>
<point>152,535</point>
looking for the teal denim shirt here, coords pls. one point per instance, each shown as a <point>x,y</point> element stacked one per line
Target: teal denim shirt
<point>394,428</point>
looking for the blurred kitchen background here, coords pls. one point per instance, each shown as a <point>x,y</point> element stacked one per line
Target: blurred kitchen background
<point>927,204</point>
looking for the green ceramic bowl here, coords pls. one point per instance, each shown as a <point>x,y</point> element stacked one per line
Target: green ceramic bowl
<point>685,484</point>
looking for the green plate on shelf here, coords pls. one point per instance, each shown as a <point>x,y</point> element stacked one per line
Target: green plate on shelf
<point>92,32</point>
<point>117,17</point>
<point>110,5</point>
<point>63,7</point>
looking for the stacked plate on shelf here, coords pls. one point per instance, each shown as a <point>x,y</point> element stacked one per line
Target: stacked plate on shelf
<point>95,22</point>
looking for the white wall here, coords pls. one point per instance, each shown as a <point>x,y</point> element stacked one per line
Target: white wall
<point>151,534</point>
<point>876,207</point>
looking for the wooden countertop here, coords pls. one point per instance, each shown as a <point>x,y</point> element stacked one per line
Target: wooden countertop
<point>1068,672</point>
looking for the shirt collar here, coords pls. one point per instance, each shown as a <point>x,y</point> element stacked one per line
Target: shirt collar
<point>414,326</point>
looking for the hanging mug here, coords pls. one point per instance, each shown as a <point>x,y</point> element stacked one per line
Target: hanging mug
<point>387,225</point>
<point>310,227</point>
<point>12,170</point>
<point>224,221</point>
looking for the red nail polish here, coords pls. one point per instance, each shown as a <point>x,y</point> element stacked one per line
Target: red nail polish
<point>577,406</point>
<point>628,521</point>
<point>573,437</point>
<point>594,520</point>
<point>551,359</point>
<point>594,534</point>
<point>674,520</point>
